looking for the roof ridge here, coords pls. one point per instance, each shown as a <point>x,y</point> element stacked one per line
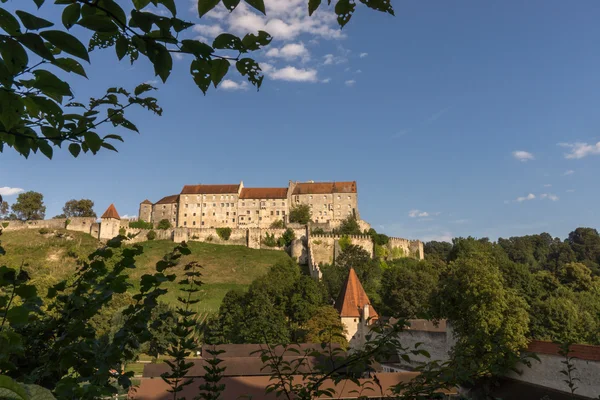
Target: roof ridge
<point>111,212</point>
<point>353,298</point>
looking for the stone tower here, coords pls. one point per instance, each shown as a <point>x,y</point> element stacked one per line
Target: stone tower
<point>110,223</point>
<point>355,308</point>
<point>146,211</point>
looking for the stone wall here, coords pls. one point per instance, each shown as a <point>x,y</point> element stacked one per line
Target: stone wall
<point>210,235</point>
<point>398,248</point>
<point>325,248</point>
<point>141,235</point>
<point>82,224</point>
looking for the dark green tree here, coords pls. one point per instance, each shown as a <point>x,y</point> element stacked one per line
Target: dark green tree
<point>300,214</point>
<point>164,224</point>
<point>3,209</point>
<point>585,243</point>
<point>325,326</point>
<point>349,226</point>
<point>79,208</point>
<point>437,250</point>
<point>29,206</point>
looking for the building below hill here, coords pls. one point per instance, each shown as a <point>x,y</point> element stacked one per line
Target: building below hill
<point>236,206</point>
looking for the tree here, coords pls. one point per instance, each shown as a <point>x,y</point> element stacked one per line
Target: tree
<point>279,224</point>
<point>406,287</point>
<point>349,226</point>
<point>585,243</point>
<point>300,214</point>
<point>164,224</point>
<point>3,209</point>
<point>29,206</point>
<point>576,276</point>
<point>38,120</point>
<point>326,327</point>
<point>79,208</point>
<point>438,250</point>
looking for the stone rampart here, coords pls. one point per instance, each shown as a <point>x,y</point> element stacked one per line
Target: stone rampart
<point>238,236</point>
<point>399,247</point>
<point>326,247</point>
<point>80,224</point>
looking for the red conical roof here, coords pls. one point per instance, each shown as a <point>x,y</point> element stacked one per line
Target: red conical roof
<point>353,298</point>
<point>111,212</point>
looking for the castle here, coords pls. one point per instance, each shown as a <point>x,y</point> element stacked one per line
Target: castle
<point>236,206</point>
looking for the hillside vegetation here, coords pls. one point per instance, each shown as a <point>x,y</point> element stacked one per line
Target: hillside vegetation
<point>53,256</point>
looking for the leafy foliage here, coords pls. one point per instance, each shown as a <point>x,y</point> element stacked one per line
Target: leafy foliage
<point>79,208</point>
<point>151,235</point>
<point>29,206</point>
<point>279,224</point>
<point>164,224</point>
<point>139,224</point>
<point>349,226</point>
<point>224,233</point>
<point>344,242</point>
<point>300,214</point>
<point>286,238</point>
<point>325,326</point>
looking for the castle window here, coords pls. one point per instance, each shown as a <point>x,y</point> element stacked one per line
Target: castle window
<point>214,204</point>
<point>348,197</point>
<point>194,223</point>
<point>184,223</point>
<point>325,197</point>
<point>221,197</point>
<point>260,218</point>
<point>233,220</point>
<point>249,218</point>
<point>243,204</point>
<point>203,204</point>
<point>339,213</point>
<point>283,204</point>
<point>227,213</point>
<point>274,204</point>
<point>202,223</point>
<point>203,214</point>
<point>257,211</point>
<point>310,197</point>
<point>271,212</point>
<point>241,218</point>
<point>283,213</point>
<point>186,206</point>
<point>185,215</point>
<point>234,213</point>
<point>214,196</point>
<point>277,212</point>
<point>349,206</point>
<point>198,205</point>
<point>204,197</point>
<point>248,212</point>
<point>320,212</point>
<point>222,205</point>
<point>194,214</point>
<point>339,197</point>
<point>164,207</point>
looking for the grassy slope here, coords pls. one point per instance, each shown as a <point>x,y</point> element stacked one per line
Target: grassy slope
<point>225,267</point>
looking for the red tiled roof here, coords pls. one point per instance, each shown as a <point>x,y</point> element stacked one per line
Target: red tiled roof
<point>210,189</point>
<point>581,351</point>
<point>146,202</point>
<point>325,187</point>
<point>353,298</point>
<point>263,193</point>
<point>111,212</point>
<point>169,199</point>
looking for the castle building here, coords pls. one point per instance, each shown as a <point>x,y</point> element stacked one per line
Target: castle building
<point>235,206</point>
<point>111,223</point>
<point>355,309</point>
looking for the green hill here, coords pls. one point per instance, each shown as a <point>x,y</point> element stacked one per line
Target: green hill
<point>52,257</point>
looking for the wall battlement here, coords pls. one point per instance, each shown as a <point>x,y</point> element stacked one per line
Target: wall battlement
<point>337,236</point>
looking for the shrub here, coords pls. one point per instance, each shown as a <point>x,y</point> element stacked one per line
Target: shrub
<point>141,225</point>
<point>381,252</point>
<point>224,233</point>
<point>397,252</point>
<point>317,231</point>
<point>210,238</point>
<point>164,224</point>
<point>122,231</point>
<point>196,237</point>
<point>151,235</point>
<point>44,231</point>
<point>269,240</point>
<point>67,222</point>
<point>5,224</point>
<point>317,242</point>
<point>287,238</point>
<point>279,224</point>
<point>349,226</point>
<point>131,235</point>
<point>300,214</point>
<point>344,242</point>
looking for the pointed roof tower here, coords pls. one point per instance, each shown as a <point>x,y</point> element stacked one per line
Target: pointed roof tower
<point>111,212</point>
<point>353,298</point>
<point>146,202</point>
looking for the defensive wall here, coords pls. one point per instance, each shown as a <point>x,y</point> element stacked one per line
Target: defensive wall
<point>398,248</point>
<point>326,247</point>
<point>438,340</point>
<point>79,224</point>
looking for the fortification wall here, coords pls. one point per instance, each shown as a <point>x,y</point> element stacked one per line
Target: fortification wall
<point>80,224</point>
<point>141,235</point>
<point>398,248</point>
<point>326,248</point>
<point>210,235</point>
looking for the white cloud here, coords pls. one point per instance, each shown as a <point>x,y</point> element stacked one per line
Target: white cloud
<point>418,213</point>
<point>442,237</point>
<point>290,73</point>
<point>228,84</point>
<point>549,196</point>
<point>10,191</point>
<point>208,30</point>
<point>290,51</point>
<point>326,80</point>
<point>285,20</point>
<point>568,172</point>
<point>523,156</point>
<point>350,82</point>
<point>126,216</point>
<point>530,196</point>
<point>580,149</point>
<point>363,55</point>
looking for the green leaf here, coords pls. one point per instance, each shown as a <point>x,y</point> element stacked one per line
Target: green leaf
<point>127,124</point>
<point>344,10</point>
<point>67,43</point>
<point>179,25</point>
<point>6,78</point>
<point>114,137</point>
<point>14,56</point>
<point>35,43</point>
<point>200,70</point>
<point>142,20</point>
<point>26,291</point>
<point>205,6</point>
<point>70,65</point>
<point>93,141</point>
<point>162,60</point>
<point>37,392</point>
<point>142,88</point>
<point>98,23</point>
<point>74,149</point>
<point>170,5</point>
<point>231,4</point>
<point>17,315</point>
<point>121,46</point>
<point>71,15</point>
<point>312,6</point>
<point>258,4</point>
<point>229,42</point>
<point>12,388</point>
<point>50,85</point>
<point>50,132</point>
<point>32,22</point>
<point>197,48</point>
<point>253,42</point>
<point>139,4</point>
<point>39,3</point>
<point>9,23</point>
<point>219,70</point>
<point>11,109</point>
<point>379,5</point>
<point>249,67</point>
<point>113,8</point>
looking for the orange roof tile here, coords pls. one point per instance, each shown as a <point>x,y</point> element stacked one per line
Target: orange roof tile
<point>210,189</point>
<point>263,193</point>
<point>353,298</point>
<point>169,199</point>
<point>146,202</point>
<point>325,187</point>
<point>111,212</point>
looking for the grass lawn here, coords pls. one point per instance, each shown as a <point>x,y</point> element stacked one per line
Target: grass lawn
<point>49,259</point>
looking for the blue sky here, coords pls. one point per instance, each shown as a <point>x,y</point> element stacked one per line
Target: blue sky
<point>455,118</point>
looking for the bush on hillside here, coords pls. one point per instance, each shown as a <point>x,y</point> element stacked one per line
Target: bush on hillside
<point>5,224</point>
<point>151,235</point>
<point>141,225</point>
<point>279,224</point>
<point>344,242</point>
<point>287,238</point>
<point>349,226</point>
<point>164,224</point>
<point>122,231</point>
<point>300,214</point>
<point>224,233</point>
<point>44,231</point>
<point>269,240</point>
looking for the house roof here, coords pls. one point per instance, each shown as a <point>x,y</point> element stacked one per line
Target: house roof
<point>146,202</point>
<point>210,189</point>
<point>325,187</point>
<point>111,212</point>
<point>353,298</point>
<point>169,199</point>
<point>263,193</point>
